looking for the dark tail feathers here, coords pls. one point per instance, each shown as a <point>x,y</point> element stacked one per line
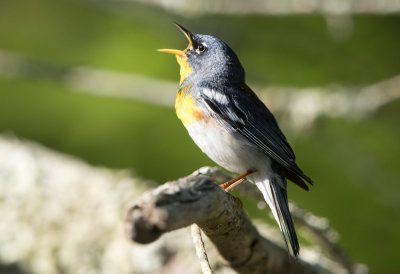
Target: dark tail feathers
<point>285,219</point>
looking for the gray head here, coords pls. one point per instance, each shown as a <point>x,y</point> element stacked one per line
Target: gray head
<point>207,58</point>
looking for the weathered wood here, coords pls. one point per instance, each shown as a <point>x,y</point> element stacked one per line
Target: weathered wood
<point>197,199</point>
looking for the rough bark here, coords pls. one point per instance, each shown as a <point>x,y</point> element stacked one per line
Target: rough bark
<point>197,199</point>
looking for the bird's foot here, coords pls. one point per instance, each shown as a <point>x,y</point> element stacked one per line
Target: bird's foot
<point>231,184</point>
<point>234,184</point>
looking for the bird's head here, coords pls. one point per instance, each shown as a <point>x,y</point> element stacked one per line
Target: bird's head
<point>207,58</point>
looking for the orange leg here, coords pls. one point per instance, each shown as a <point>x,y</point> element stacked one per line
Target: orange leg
<point>231,184</point>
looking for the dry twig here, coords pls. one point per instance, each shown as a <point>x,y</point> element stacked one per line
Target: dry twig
<point>200,249</point>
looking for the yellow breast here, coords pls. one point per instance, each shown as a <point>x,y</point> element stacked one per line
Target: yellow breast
<point>186,108</point>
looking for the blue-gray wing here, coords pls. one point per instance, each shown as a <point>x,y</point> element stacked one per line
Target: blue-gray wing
<point>238,106</point>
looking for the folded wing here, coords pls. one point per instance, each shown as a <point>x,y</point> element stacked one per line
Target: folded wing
<point>238,106</point>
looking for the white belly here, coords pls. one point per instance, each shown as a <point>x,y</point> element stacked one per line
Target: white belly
<point>228,149</point>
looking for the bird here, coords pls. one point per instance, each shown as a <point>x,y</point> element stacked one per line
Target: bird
<point>233,127</point>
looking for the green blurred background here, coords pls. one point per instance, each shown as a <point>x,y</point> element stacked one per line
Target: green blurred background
<point>354,162</point>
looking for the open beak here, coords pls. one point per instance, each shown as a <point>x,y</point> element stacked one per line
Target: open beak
<point>182,53</point>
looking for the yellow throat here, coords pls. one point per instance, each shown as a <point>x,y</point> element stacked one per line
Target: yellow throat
<point>185,70</point>
<point>181,56</point>
<point>186,108</point>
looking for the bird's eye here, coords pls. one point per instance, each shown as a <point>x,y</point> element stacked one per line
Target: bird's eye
<point>201,48</point>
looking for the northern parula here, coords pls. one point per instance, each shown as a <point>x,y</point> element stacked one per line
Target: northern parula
<point>233,127</point>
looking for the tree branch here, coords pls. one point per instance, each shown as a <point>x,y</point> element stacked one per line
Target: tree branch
<point>197,199</point>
